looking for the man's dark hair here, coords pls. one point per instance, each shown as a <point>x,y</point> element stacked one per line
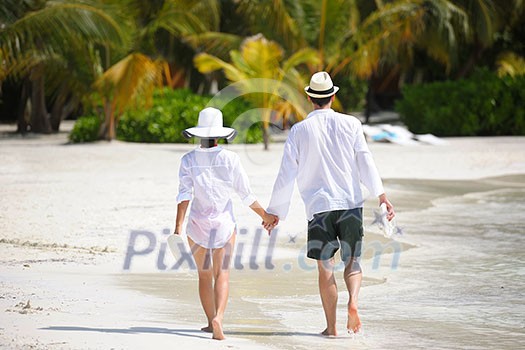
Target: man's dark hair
<point>321,102</point>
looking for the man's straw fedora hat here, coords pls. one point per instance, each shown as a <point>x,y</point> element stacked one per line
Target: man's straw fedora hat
<point>321,86</point>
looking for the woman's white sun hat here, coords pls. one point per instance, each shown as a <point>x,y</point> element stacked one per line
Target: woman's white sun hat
<point>321,86</point>
<point>210,126</point>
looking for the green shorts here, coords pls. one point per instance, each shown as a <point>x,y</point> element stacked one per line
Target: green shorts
<point>331,230</point>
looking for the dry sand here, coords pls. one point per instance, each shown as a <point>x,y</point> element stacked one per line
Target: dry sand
<point>66,213</point>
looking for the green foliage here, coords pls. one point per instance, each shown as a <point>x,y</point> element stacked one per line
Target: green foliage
<point>172,112</point>
<point>85,129</point>
<point>240,115</point>
<point>352,93</point>
<point>482,105</point>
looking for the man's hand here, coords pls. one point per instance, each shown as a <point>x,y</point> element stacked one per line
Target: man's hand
<point>269,222</point>
<point>389,207</point>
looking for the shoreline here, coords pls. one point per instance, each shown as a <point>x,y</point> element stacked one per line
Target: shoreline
<point>461,158</point>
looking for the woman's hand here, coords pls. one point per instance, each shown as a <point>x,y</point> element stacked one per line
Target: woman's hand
<point>178,230</point>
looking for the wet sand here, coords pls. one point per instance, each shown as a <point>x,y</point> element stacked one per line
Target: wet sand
<point>454,279</point>
<point>456,289</point>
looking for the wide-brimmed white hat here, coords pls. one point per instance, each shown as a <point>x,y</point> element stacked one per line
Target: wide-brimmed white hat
<point>321,86</point>
<point>210,125</point>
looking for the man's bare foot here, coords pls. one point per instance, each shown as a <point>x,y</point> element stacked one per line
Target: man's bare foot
<point>327,333</point>
<point>354,323</point>
<point>207,329</point>
<point>217,328</point>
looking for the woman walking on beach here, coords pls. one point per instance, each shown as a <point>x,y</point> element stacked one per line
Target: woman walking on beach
<point>208,176</point>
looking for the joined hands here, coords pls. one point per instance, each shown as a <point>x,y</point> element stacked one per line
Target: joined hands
<point>269,222</point>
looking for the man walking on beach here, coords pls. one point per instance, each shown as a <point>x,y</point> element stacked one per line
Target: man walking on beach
<point>328,156</point>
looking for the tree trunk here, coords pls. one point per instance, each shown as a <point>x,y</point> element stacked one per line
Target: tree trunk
<point>266,136</point>
<point>107,128</point>
<point>472,60</point>
<point>56,112</point>
<point>22,121</point>
<point>112,132</point>
<point>368,104</point>
<point>39,117</point>
<point>61,109</point>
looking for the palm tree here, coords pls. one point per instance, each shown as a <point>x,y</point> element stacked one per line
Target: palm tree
<point>326,26</point>
<point>263,76</point>
<point>392,34</point>
<point>35,34</point>
<point>358,38</point>
<point>134,70</point>
<point>510,60</point>
<point>103,43</point>
<point>485,20</point>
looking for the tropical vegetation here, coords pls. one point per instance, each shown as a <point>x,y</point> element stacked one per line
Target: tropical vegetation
<point>106,58</point>
<point>171,113</point>
<point>483,104</point>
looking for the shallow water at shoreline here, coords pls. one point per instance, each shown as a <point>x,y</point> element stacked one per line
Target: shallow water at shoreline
<point>461,287</point>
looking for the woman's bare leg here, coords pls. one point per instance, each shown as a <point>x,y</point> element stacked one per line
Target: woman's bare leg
<point>221,270</point>
<point>202,257</point>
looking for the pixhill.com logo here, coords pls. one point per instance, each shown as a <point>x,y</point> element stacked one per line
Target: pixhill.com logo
<point>250,252</point>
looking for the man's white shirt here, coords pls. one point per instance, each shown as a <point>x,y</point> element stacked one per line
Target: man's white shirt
<point>328,156</point>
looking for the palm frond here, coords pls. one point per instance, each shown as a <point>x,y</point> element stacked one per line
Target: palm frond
<point>390,34</point>
<point>485,19</point>
<point>208,11</point>
<point>215,43</point>
<point>177,21</point>
<point>206,63</point>
<point>306,55</point>
<point>131,77</point>
<point>11,10</point>
<point>261,55</point>
<point>276,20</point>
<point>509,63</point>
<point>58,24</point>
<point>341,24</point>
<point>446,26</point>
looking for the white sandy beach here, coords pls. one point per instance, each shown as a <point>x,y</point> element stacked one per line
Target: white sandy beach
<point>66,217</point>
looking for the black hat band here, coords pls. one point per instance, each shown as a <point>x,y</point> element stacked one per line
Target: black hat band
<point>325,92</point>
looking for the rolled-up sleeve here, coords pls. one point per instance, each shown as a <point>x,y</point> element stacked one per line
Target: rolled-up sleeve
<point>241,183</point>
<point>185,182</point>
<point>284,183</point>
<point>368,172</point>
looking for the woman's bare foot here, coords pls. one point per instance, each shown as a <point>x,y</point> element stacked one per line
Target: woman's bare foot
<point>327,333</point>
<point>217,328</point>
<point>208,328</point>
<point>354,323</point>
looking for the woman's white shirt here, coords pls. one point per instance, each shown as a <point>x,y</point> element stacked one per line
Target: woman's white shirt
<point>208,177</point>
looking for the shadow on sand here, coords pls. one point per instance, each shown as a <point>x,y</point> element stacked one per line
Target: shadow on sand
<point>193,333</point>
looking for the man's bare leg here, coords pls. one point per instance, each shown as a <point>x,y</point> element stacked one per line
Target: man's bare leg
<point>328,292</point>
<point>221,271</point>
<point>203,261</point>
<point>353,276</point>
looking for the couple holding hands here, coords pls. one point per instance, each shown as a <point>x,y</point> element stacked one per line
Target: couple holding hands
<point>327,155</point>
